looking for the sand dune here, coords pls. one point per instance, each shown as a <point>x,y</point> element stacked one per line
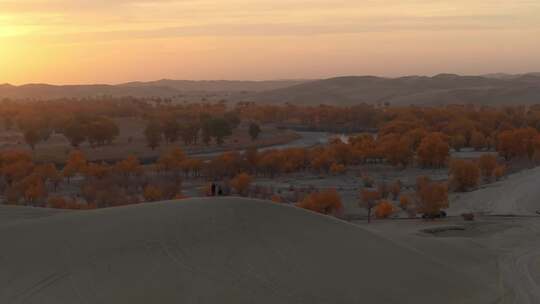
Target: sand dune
<point>517,195</point>
<point>215,251</point>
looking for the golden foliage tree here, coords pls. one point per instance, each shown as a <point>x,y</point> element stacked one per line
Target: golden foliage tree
<point>487,164</point>
<point>464,174</point>
<point>325,202</point>
<point>432,196</point>
<point>337,169</point>
<point>152,193</point>
<point>433,150</point>
<point>404,201</point>
<point>458,142</point>
<point>499,172</point>
<point>478,141</point>
<point>368,200</point>
<point>129,167</point>
<point>76,164</point>
<point>384,209</point>
<point>241,182</point>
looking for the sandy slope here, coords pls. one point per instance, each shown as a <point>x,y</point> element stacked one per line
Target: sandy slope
<point>500,252</point>
<point>519,194</point>
<point>17,214</point>
<point>217,251</point>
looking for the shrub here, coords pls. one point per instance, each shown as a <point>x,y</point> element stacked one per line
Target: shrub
<point>241,183</point>
<point>325,202</point>
<point>487,164</point>
<point>276,199</point>
<point>404,202</point>
<point>464,174</point>
<point>152,193</point>
<point>499,172</point>
<point>384,209</point>
<point>432,196</point>
<point>56,202</point>
<point>368,200</point>
<point>337,169</point>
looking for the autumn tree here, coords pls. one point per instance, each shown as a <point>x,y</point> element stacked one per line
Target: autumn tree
<point>506,144</point>
<point>172,161</point>
<point>499,172</point>
<point>152,132</point>
<point>75,131</point>
<point>33,188</point>
<point>35,128</point>
<point>190,133</point>
<point>15,165</point>
<point>192,166</point>
<point>478,141</point>
<point>384,209</point>
<point>241,182</point>
<point>101,131</point>
<point>432,196</point>
<point>464,174</point>
<point>49,173</point>
<point>252,157</point>
<point>152,193</point>
<point>433,150</point>
<point>171,130</point>
<point>56,202</point>
<point>31,137</point>
<point>321,160</point>
<point>458,142</point>
<point>220,129</point>
<point>368,200</point>
<point>276,199</point>
<point>396,149</point>
<point>487,164</point>
<point>96,170</point>
<point>517,143</point>
<point>129,167</point>
<point>270,163</point>
<point>405,201</point>
<point>325,202</point>
<point>75,164</point>
<point>337,169</point>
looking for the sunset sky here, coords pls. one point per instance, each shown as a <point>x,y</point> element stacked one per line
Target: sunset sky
<point>113,41</point>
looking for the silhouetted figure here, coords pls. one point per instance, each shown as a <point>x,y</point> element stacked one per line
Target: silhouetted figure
<point>220,191</point>
<point>213,189</point>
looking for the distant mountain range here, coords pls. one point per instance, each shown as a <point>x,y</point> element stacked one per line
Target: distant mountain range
<point>441,89</point>
<point>162,88</point>
<point>494,89</point>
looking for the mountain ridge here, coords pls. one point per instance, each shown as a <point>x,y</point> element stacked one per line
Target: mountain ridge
<point>436,90</point>
<point>444,88</point>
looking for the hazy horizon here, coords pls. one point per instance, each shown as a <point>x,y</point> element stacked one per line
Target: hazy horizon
<point>255,80</point>
<point>111,42</point>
